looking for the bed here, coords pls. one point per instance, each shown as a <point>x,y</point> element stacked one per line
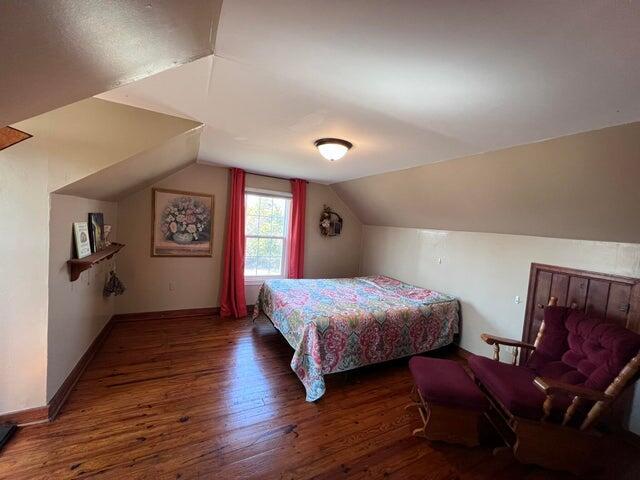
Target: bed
<point>335,325</point>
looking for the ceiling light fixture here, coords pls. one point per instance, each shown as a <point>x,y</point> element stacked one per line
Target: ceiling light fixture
<point>333,148</point>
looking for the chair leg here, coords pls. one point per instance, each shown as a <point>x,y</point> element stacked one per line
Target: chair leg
<point>424,416</point>
<point>415,401</point>
<point>446,424</point>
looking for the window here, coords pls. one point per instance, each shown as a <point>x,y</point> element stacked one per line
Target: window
<point>266,230</point>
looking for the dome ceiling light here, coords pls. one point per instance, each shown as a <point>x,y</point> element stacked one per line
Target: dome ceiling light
<point>333,148</point>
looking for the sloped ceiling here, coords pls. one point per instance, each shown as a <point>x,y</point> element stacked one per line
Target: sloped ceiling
<point>582,186</point>
<point>138,171</point>
<point>86,138</point>
<point>56,52</point>
<point>408,82</point>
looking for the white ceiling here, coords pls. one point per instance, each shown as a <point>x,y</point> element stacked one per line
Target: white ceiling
<point>408,82</point>
<point>58,52</point>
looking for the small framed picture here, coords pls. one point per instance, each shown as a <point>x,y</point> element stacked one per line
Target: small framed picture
<point>81,238</point>
<point>107,233</point>
<point>96,231</point>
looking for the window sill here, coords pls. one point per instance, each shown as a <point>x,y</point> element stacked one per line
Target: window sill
<point>260,280</point>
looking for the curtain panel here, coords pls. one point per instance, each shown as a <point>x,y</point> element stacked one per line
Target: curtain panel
<point>232,298</point>
<point>296,228</point>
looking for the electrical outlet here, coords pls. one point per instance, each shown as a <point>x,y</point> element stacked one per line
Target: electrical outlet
<point>439,261</point>
<point>172,286</point>
<point>517,300</point>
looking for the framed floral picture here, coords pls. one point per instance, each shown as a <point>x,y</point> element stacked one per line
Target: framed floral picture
<point>182,224</point>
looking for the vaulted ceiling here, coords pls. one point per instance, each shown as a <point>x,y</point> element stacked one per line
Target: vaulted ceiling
<point>56,52</point>
<point>408,82</point>
<point>104,150</point>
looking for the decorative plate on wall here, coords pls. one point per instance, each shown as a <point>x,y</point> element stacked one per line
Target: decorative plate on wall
<point>330,222</point>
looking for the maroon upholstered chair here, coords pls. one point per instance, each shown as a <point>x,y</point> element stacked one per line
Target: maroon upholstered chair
<point>549,406</point>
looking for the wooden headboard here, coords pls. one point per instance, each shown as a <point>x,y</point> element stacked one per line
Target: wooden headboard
<point>611,297</point>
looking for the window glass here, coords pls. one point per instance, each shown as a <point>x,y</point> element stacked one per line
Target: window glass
<point>265,231</point>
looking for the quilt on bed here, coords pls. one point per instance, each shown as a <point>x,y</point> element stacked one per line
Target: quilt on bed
<point>339,324</point>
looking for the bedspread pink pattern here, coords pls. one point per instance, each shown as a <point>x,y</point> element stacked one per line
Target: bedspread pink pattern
<point>339,324</point>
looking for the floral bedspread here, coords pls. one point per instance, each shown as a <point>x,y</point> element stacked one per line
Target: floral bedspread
<point>339,324</point>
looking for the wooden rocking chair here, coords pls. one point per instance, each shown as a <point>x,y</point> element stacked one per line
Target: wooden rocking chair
<point>546,408</point>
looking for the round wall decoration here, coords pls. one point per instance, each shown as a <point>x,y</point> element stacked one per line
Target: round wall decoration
<point>330,223</point>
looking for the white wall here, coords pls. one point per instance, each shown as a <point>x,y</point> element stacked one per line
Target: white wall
<point>77,310</point>
<point>487,271</point>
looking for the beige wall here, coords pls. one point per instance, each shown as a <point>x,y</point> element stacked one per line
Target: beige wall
<point>138,171</point>
<point>581,186</point>
<point>24,209</point>
<point>161,283</point>
<point>327,257</point>
<point>67,145</point>
<point>77,310</point>
<point>156,283</point>
<point>487,271</point>
<point>91,135</point>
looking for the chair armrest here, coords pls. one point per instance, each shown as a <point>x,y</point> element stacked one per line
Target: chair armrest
<point>551,387</point>
<point>493,340</point>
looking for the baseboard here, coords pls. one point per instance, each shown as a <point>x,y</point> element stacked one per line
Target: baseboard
<point>169,314</point>
<point>165,314</point>
<point>50,411</point>
<point>26,417</point>
<point>56,402</point>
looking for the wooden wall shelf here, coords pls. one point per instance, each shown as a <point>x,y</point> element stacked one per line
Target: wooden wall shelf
<point>79,265</point>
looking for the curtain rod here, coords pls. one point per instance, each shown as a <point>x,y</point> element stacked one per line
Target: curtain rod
<point>269,176</point>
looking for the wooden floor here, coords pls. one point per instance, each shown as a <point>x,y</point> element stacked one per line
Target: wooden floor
<point>210,398</point>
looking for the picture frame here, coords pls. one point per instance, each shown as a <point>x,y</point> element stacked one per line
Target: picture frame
<point>107,234</point>
<point>81,239</point>
<point>181,223</point>
<point>96,231</point>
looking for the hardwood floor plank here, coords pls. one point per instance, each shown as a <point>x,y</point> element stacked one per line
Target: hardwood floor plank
<point>202,397</point>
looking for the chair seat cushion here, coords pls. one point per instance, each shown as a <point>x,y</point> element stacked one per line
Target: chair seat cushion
<point>444,382</point>
<point>513,387</point>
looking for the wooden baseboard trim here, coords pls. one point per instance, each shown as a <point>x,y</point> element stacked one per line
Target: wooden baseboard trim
<point>170,314</point>
<point>26,417</point>
<point>50,411</point>
<point>165,314</point>
<point>56,402</point>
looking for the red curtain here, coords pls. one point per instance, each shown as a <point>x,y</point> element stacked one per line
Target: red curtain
<point>232,299</point>
<point>296,228</point>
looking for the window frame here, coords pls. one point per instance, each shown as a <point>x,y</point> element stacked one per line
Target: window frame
<point>259,279</point>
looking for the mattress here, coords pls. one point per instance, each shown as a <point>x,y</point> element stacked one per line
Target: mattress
<point>335,325</point>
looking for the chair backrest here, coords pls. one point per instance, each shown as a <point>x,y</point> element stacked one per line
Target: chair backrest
<point>575,348</point>
<point>582,350</point>
<point>598,350</point>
